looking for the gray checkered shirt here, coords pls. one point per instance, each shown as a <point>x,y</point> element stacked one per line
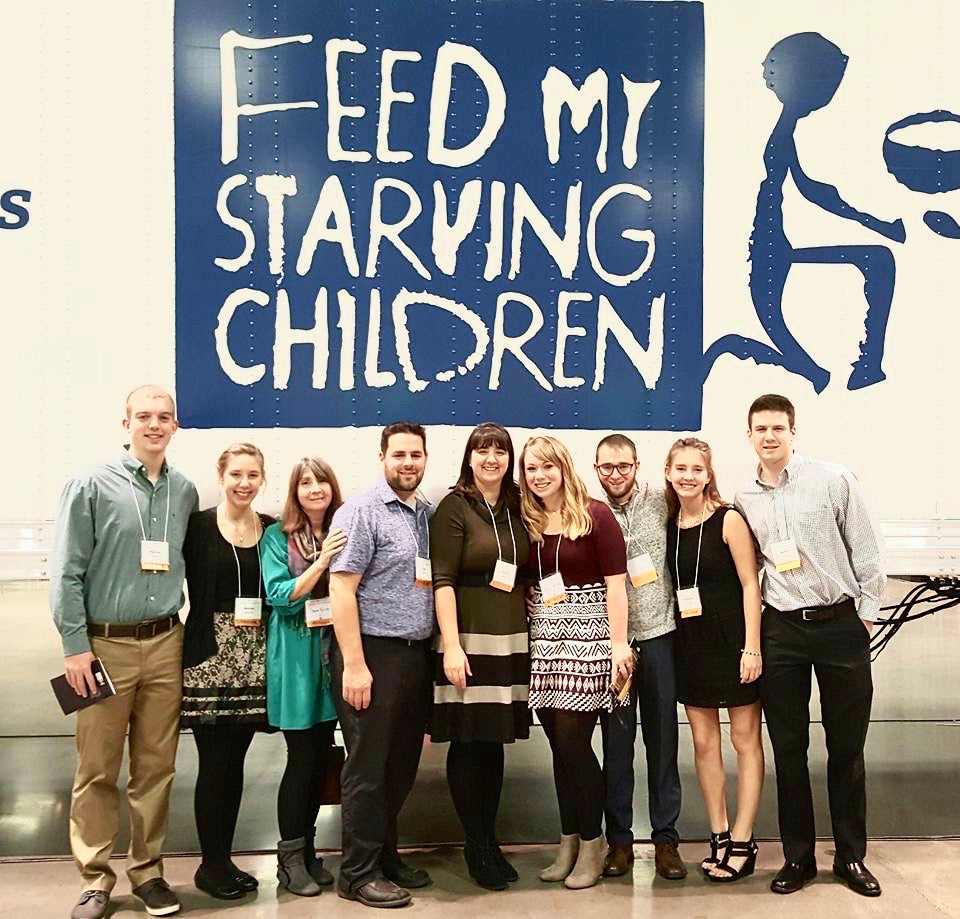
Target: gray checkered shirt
<point>821,507</point>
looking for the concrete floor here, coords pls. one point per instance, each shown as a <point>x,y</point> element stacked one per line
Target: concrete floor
<point>918,879</point>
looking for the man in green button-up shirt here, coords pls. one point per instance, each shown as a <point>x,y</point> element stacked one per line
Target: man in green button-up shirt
<point>115,593</point>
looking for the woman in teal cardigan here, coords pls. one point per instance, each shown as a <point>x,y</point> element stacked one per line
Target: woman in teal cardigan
<point>296,553</point>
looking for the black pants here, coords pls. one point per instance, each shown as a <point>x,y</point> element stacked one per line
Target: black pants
<point>301,788</point>
<point>221,750</point>
<point>383,744</point>
<point>838,651</point>
<point>654,690</point>
<point>576,772</point>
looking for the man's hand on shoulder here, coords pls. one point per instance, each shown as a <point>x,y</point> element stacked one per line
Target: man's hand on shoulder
<point>78,672</point>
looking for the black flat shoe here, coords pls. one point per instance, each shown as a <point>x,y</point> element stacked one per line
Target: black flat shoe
<point>792,876</point>
<point>246,882</point>
<point>404,875</point>
<point>219,884</point>
<point>506,869</point>
<point>482,866</point>
<point>745,850</point>
<point>858,878</point>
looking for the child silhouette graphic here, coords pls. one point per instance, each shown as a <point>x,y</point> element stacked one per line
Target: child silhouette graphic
<point>804,72</point>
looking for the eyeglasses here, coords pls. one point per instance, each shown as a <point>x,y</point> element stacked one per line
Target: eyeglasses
<point>606,469</point>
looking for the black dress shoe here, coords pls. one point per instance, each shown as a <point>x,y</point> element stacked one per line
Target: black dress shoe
<point>219,884</point>
<point>379,893</point>
<point>792,876</point>
<point>405,875</point>
<point>858,878</point>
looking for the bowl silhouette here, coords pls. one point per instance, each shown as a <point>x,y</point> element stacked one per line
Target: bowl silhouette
<point>922,168</point>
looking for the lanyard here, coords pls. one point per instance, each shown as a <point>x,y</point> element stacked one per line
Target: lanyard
<point>415,535</point>
<point>540,561</point>
<point>633,515</point>
<point>512,537</point>
<point>136,504</point>
<point>696,573</point>
<point>259,564</point>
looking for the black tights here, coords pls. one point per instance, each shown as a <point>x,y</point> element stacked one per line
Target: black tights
<point>576,772</point>
<point>475,775</point>
<point>216,798</point>
<point>298,800</point>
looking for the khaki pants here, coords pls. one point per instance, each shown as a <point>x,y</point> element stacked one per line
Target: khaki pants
<point>148,678</point>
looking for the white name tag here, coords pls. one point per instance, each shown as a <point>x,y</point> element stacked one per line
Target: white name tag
<point>688,601</point>
<point>641,570</point>
<point>504,575</point>
<point>319,612</point>
<point>154,555</point>
<point>424,573</point>
<point>786,555</point>
<point>553,589</point>
<point>247,612</point>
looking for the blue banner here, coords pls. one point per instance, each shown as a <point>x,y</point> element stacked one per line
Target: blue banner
<point>447,211</point>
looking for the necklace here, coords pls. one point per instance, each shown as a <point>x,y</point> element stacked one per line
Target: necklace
<point>241,536</point>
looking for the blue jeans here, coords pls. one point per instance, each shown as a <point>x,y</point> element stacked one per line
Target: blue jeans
<point>654,692</point>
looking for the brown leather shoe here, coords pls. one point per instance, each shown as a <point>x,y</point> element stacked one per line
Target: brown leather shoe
<point>668,862</point>
<point>619,859</point>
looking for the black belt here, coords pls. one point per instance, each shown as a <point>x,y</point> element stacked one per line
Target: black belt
<point>138,630</point>
<point>395,639</point>
<point>821,613</point>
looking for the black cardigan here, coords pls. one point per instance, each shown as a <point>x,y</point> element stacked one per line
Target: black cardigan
<point>199,636</point>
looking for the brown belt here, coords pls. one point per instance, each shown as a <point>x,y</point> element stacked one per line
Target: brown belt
<point>138,630</point>
<point>821,613</point>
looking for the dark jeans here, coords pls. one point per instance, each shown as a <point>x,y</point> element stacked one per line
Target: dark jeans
<point>655,690</point>
<point>383,751</point>
<point>838,651</point>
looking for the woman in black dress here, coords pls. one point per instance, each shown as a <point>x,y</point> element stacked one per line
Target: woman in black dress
<point>477,543</point>
<point>711,559</point>
<point>224,695</point>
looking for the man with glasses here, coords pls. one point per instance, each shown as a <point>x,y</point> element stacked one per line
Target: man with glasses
<point>641,510</point>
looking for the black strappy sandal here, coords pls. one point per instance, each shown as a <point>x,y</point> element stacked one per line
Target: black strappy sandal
<point>745,850</point>
<point>717,841</point>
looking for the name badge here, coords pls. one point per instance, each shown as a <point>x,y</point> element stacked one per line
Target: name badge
<point>786,555</point>
<point>319,612</point>
<point>424,573</point>
<point>688,601</point>
<point>640,569</point>
<point>553,589</point>
<point>247,612</point>
<point>504,575</point>
<point>154,555</point>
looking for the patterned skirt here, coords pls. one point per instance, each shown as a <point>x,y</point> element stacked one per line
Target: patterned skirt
<point>570,650</point>
<point>230,687</point>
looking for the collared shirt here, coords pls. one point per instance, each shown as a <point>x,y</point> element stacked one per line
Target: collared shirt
<point>384,536</point>
<point>96,575</point>
<point>821,507</point>
<point>643,520</point>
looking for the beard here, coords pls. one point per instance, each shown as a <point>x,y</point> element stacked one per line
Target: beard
<point>399,481</point>
<point>616,492</point>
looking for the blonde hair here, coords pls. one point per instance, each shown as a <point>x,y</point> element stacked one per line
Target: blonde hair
<point>711,493</point>
<point>240,449</point>
<point>575,519</point>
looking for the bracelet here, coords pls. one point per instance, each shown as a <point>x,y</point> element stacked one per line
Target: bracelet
<point>751,653</point>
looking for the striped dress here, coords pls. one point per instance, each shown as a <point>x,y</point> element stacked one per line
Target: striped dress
<point>570,640</point>
<point>491,622</point>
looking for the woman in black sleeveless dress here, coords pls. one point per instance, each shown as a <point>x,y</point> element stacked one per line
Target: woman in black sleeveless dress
<point>712,562</point>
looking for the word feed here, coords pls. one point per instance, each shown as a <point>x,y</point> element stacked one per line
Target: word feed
<point>371,226</point>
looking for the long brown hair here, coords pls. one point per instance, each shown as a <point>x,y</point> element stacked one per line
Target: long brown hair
<point>293,519</point>
<point>575,519</point>
<point>482,436</point>
<point>711,493</point>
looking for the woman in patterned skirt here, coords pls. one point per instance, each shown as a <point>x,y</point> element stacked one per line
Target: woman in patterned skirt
<point>578,642</point>
<point>477,542</point>
<point>224,700</point>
